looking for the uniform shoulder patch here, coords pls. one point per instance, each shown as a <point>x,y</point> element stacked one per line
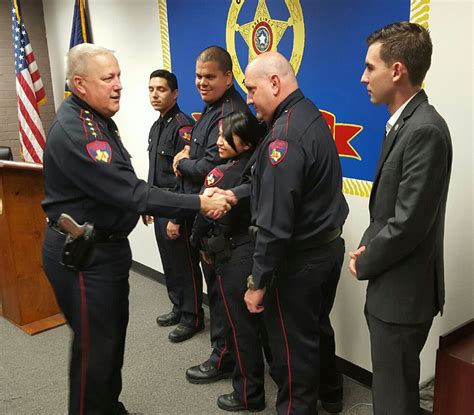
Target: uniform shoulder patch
<point>185,133</point>
<point>100,151</point>
<point>277,151</point>
<point>214,177</point>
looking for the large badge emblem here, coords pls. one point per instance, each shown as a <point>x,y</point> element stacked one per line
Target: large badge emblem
<point>277,151</point>
<point>263,33</point>
<point>100,151</point>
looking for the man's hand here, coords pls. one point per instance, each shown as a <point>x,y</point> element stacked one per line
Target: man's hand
<point>172,230</point>
<point>214,204</point>
<point>254,300</point>
<point>183,154</point>
<point>147,220</point>
<point>227,193</point>
<point>352,263</point>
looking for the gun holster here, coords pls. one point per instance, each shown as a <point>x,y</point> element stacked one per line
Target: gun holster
<point>77,252</point>
<point>220,247</point>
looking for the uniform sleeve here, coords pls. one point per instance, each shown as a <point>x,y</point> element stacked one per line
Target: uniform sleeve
<point>280,193</point>
<point>199,168</point>
<point>423,181</point>
<point>112,179</point>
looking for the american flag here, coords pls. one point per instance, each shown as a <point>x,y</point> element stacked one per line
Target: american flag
<point>29,90</point>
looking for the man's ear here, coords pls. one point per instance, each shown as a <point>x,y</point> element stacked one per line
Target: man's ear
<point>275,84</point>
<point>229,78</point>
<point>175,94</point>
<point>398,71</point>
<point>78,83</point>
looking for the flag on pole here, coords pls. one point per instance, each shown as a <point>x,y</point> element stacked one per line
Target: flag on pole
<point>80,32</point>
<point>29,90</point>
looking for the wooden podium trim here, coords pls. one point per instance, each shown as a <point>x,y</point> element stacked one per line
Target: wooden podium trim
<point>20,165</point>
<point>44,324</point>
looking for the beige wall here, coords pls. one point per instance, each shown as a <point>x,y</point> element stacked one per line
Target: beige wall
<point>32,13</point>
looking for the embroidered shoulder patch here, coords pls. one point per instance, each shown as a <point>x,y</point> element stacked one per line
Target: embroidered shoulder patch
<point>277,151</point>
<point>214,177</point>
<point>100,151</point>
<point>185,133</point>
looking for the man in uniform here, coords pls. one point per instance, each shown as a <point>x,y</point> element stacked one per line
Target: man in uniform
<point>88,175</point>
<point>168,136</point>
<point>298,210</point>
<point>401,252</point>
<point>214,82</point>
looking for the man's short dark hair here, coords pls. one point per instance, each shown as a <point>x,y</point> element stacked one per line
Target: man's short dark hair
<point>408,43</point>
<point>170,77</point>
<point>216,54</point>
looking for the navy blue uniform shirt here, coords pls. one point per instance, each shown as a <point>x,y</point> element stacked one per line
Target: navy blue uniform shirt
<point>296,185</point>
<point>88,174</point>
<point>204,155</point>
<point>235,222</point>
<point>168,136</point>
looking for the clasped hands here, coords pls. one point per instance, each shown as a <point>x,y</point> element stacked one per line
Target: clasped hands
<point>215,202</point>
<point>183,154</point>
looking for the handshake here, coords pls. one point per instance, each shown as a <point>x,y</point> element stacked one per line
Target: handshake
<point>215,202</point>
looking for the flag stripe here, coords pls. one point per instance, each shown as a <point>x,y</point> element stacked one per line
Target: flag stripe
<point>29,120</point>
<point>30,154</point>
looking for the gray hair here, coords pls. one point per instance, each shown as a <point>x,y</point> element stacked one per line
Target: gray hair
<point>78,57</point>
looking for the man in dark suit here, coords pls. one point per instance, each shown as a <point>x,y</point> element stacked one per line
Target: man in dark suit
<point>401,252</point>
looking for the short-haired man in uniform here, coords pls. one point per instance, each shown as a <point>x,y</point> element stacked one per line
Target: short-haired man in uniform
<point>214,82</point>
<point>168,136</point>
<point>401,252</point>
<point>88,175</point>
<point>298,210</point>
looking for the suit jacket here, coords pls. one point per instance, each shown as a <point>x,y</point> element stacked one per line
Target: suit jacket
<point>403,260</point>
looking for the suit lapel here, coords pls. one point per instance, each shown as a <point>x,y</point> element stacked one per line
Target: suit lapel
<point>393,134</point>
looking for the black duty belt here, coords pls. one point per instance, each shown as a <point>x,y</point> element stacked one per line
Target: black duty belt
<point>316,241</point>
<point>100,236</point>
<point>240,239</point>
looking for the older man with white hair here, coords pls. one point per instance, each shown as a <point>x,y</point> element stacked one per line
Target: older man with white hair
<point>88,175</point>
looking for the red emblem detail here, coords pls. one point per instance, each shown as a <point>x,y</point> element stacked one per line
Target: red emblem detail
<point>277,151</point>
<point>214,177</point>
<point>100,151</point>
<point>185,133</point>
<point>342,134</point>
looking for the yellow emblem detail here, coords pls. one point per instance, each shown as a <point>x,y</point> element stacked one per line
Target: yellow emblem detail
<point>276,155</point>
<point>264,33</point>
<point>102,156</point>
<point>210,180</point>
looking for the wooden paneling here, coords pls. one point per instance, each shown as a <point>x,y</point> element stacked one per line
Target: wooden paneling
<point>454,379</point>
<point>26,295</point>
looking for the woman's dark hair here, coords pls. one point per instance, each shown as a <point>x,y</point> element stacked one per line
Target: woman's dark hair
<point>244,125</point>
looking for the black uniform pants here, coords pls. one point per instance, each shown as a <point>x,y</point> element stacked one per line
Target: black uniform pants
<point>182,273</point>
<point>243,327</point>
<point>95,305</point>
<point>220,341</point>
<point>301,337</point>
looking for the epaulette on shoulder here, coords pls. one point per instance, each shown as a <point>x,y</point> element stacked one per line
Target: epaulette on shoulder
<point>227,107</point>
<point>91,128</point>
<point>181,119</point>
